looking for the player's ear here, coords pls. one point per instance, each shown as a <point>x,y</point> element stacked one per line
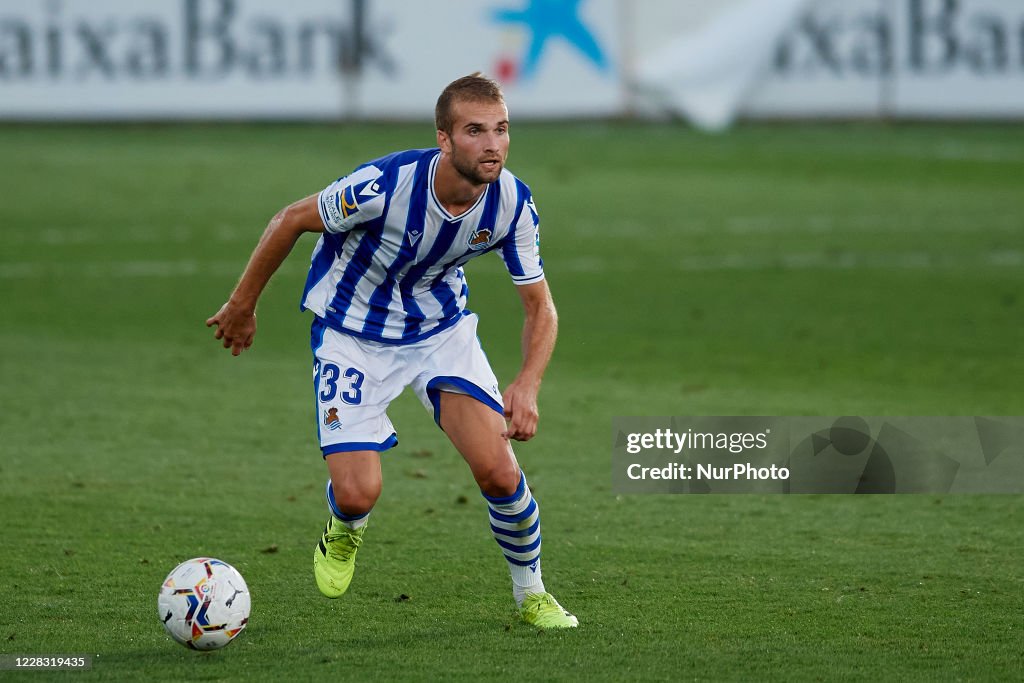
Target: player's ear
<point>444,141</point>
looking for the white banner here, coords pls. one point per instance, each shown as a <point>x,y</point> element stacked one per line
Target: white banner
<point>555,59</point>
<point>918,58</point>
<point>330,59</point>
<point>123,59</point>
<point>706,71</point>
<point>172,59</point>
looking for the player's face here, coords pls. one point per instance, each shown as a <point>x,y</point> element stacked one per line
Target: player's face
<point>478,144</point>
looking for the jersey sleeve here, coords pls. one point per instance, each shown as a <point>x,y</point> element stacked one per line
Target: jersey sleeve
<point>521,250</point>
<point>354,199</point>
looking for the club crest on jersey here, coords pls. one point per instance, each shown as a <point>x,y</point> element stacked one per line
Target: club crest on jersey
<point>480,238</point>
<point>331,419</point>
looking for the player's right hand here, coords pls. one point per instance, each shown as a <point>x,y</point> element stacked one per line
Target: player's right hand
<point>521,414</point>
<point>235,328</point>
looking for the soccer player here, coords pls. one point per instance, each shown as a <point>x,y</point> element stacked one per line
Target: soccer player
<point>388,292</point>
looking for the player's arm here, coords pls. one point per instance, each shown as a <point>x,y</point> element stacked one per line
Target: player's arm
<point>236,319</point>
<point>540,329</point>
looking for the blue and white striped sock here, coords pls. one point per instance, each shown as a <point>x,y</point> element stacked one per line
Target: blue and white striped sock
<point>515,523</point>
<point>353,522</point>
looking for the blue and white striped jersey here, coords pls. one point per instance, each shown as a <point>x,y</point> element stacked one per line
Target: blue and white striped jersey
<point>389,266</point>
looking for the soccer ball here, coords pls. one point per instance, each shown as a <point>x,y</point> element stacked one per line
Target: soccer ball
<point>204,603</point>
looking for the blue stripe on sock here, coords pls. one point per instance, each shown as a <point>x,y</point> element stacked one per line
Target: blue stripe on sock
<point>519,517</point>
<point>517,534</point>
<point>521,563</point>
<point>506,500</point>
<point>351,518</point>
<point>331,503</point>
<point>519,548</point>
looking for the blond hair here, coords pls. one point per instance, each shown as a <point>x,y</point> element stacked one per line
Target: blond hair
<point>472,88</point>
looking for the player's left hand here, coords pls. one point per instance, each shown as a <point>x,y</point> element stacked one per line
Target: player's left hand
<point>521,414</point>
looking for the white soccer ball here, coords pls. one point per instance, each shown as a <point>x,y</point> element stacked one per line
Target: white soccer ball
<point>204,603</point>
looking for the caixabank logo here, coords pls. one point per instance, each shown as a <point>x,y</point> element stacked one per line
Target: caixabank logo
<point>543,23</point>
<point>919,37</point>
<point>195,40</point>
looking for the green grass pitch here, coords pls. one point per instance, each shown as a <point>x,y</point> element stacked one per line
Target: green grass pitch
<point>777,270</point>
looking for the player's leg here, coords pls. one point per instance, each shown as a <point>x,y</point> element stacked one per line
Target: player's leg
<point>458,386</point>
<point>355,483</point>
<point>352,491</point>
<point>475,430</point>
<point>354,385</point>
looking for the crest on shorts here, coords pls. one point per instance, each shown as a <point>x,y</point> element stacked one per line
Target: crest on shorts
<point>331,419</point>
<point>480,238</point>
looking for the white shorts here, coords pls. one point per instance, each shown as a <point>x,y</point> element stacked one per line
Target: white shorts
<point>356,379</point>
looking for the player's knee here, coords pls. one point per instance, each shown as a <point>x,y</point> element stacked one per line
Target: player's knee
<point>357,496</point>
<point>499,481</point>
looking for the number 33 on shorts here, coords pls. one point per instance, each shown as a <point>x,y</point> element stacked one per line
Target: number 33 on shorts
<point>333,381</point>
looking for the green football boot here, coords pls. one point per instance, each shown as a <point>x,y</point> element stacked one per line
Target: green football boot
<point>543,611</point>
<point>334,558</point>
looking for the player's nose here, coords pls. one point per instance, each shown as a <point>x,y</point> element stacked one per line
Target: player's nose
<point>492,142</point>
